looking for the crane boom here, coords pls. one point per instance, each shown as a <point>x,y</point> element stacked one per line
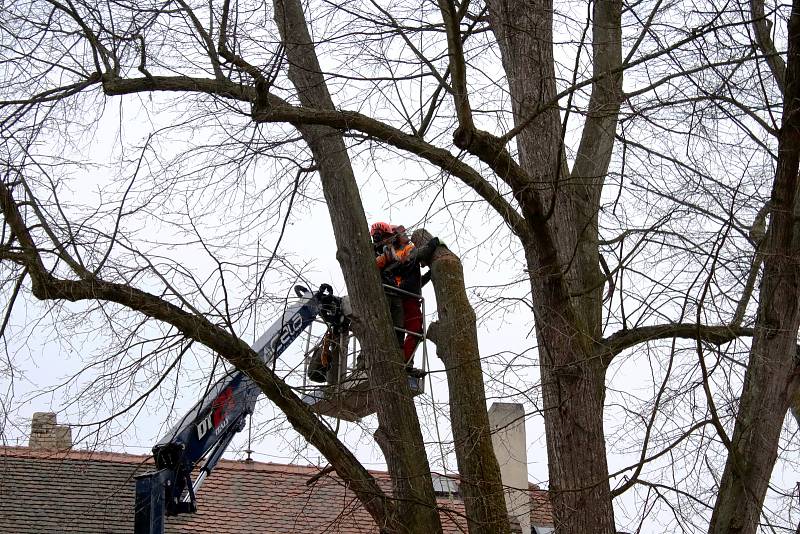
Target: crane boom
<point>209,426</point>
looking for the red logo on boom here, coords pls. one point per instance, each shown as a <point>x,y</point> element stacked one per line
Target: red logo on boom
<point>221,406</point>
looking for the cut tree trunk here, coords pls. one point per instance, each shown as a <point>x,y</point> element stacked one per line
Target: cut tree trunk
<point>456,339</point>
<point>399,434</point>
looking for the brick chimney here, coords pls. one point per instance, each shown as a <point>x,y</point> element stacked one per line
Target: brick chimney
<point>47,434</point>
<point>507,422</point>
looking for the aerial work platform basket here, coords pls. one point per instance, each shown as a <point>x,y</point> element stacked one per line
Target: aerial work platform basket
<point>350,396</point>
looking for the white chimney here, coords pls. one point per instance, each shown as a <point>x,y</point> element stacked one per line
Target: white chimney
<point>507,422</point>
<point>47,434</point>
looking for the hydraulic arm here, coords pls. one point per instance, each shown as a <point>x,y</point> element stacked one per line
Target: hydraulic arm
<point>208,428</point>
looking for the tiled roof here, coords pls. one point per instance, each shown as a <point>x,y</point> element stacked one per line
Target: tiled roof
<point>541,509</point>
<point>93,493</point>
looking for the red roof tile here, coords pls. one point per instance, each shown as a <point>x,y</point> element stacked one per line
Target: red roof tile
<point>93,492</point>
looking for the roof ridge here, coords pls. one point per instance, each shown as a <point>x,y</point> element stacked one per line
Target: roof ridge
<point>72,454</point>
<point>108,456</point>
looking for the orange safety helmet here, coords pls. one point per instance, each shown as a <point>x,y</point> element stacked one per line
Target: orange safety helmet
<point>380,228</point>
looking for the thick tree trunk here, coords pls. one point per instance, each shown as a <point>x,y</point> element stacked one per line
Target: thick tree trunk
<point>456,339</point>
<point>572,389</point>
<point>398,434</point>
<point>771,380</point>
<point>566,281</point>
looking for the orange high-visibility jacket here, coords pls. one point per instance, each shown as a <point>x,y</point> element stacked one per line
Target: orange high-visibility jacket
<point>407,277</point>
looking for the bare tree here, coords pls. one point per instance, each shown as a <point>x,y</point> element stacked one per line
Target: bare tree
<point>543,139</point>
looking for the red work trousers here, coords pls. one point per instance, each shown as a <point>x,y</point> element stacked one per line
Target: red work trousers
<point>412,321</point>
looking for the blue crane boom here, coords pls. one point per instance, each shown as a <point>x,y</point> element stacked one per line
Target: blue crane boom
<point>210,425</point>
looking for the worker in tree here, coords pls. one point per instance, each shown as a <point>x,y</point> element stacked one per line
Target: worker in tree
<point>399,263</point>
<point>383,235</point>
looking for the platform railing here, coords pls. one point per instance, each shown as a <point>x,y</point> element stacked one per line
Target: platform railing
<point>348,365</point>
